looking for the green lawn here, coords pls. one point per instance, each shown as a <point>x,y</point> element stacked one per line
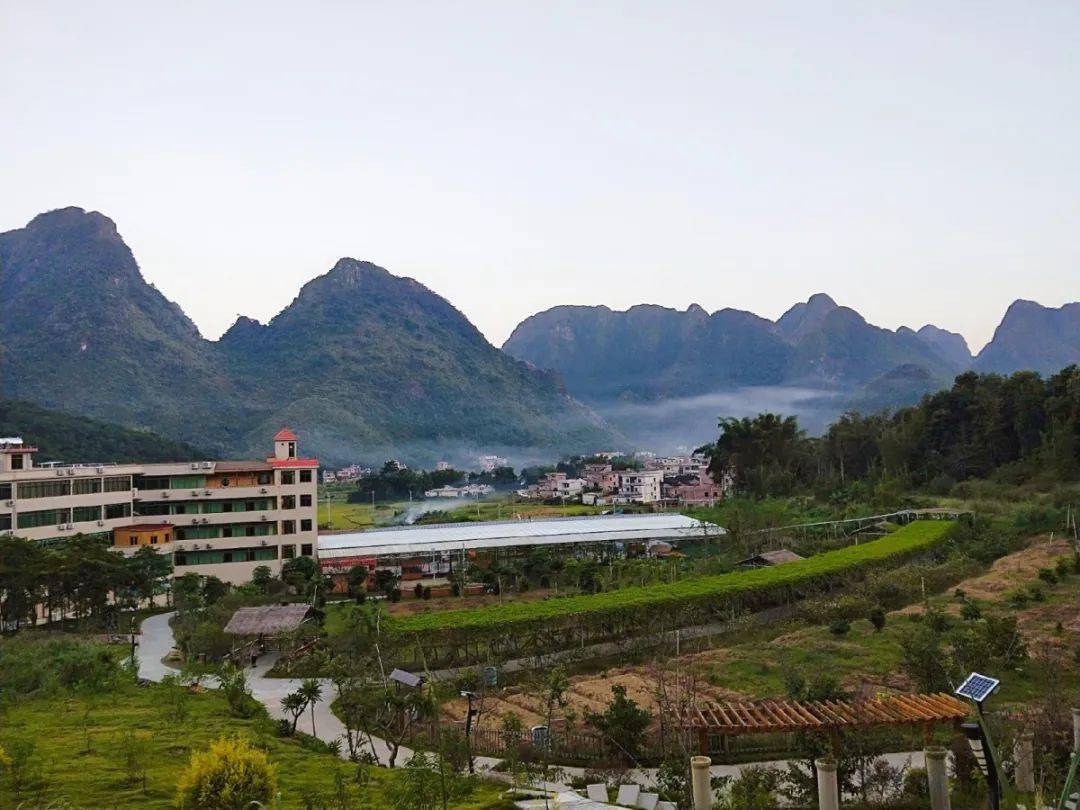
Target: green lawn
<point>78,744</point>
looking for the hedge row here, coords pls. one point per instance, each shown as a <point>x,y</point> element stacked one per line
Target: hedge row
<point>911,539</point>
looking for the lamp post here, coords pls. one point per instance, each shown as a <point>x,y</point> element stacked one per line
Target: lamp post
<point>977,688</point>
<point>468,727</point>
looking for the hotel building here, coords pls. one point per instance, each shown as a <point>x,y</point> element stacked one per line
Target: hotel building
<point>223,518</point>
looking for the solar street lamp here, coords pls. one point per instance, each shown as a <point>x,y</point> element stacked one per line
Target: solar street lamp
<point>978,688</point>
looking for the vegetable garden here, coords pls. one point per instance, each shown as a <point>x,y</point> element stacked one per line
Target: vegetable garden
<point>501,632</point>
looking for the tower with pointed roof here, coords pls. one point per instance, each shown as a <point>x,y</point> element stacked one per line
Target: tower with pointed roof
<point>284,444</point>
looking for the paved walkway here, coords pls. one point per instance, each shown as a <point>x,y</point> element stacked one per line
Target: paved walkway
<point>156,641</point>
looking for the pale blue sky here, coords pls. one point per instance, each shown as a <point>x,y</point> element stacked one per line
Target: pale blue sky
<point>918,161</point>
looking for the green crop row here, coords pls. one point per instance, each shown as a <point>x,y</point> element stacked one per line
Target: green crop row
<point>911,539</point>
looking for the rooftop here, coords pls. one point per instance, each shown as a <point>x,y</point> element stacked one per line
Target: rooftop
<point>506,534</point>
<point>267,619</point>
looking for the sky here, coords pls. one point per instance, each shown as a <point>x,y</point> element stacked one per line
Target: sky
<point>917,161</point>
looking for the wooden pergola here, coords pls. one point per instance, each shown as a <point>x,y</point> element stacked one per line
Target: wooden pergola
<point>731,718</point>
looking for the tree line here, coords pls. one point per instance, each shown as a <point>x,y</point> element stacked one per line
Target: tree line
<point>1018,429</point>
<point>80,578</point>
<point>395,482</point>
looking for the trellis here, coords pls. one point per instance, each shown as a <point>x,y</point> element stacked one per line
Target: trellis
<point>732,718</point>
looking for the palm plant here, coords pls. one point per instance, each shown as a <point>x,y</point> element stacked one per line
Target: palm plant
<point>311,691</point>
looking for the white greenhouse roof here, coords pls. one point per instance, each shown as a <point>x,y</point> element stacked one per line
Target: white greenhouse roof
<point>507,534</point>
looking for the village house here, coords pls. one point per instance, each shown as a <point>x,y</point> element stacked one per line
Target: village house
<point>639,486</point>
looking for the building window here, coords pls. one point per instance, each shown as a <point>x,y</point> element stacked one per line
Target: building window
<point>5,523</point>
<point>83,514</point>
<point>288,477</point>
<point>17,461</point>
<point>264,478</point>
<point>44,489</point>
<point>153,539</point>
<point>114,511</point>
<point>46,517</point>
<point>288,502</point>
<point>86,486</point>
<point>288,552</point>
<point>305,500</point>
<point>305,476</point>
<point>288,527</point>
<point>305,549</point>
<point>226,531</point>
<point>133,540</point>
<point>5,492</point>
<point>305,525</point>
<point>117,483</point>
<point>292,449</point>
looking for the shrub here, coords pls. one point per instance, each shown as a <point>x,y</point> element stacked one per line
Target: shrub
<point>1048,576</point>
<point>970,612</point>
<point>840,627</point>
<point>877,618</point>
<point>1019,599</point>
<point>1063,567</point>
<point>426,593</point>
<point>229,776</point>
<point>418,590</point>
<point>395,595</point>
<point>1037,593</point>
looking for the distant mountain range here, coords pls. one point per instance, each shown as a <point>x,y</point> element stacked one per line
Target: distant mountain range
<point>826,354</point>
<point>368,365</point>
<point>363,364</point>
<point>650,352</point>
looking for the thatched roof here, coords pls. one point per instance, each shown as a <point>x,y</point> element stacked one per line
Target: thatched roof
<point>777,557</point>
<point>268,619</point>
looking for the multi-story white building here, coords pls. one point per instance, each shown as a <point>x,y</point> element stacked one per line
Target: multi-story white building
<point>214,517</point>
<point>639,486</point>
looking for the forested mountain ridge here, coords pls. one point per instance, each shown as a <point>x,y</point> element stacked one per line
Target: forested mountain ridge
<point>66,437</point>
<point>364,363</point>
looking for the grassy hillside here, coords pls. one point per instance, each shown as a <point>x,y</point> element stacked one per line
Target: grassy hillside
<point>66,437</point>
<point>96,741</point>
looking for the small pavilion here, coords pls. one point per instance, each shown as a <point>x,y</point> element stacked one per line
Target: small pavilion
<point>284,628</point>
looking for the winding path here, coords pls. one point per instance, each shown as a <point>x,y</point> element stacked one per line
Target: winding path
<point>156,641</point>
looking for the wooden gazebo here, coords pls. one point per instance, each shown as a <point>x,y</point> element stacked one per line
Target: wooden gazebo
<point>731,718</point>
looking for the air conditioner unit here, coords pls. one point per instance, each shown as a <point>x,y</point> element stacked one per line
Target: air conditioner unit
<point>194,465</point>
<point>101,523</point>
<point>262,517</point>
<point>195,492</point>
<point>194,520</point>
<point>60,473</point>
<point>207,492</point>
<point>164,494</point>
<point>99,470</point>
<point>263,490</point>
<point>206,520</point>
<point>208,465</point>
<point>71,472</point>
<point>70,526</point>
<point>60,526</point>
<point>9,503</point>
<point>262,542</point>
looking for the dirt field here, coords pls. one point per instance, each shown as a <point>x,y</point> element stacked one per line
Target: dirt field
<point>588,693</point>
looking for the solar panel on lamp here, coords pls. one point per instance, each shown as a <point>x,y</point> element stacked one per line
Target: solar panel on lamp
<point>977,687</point>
